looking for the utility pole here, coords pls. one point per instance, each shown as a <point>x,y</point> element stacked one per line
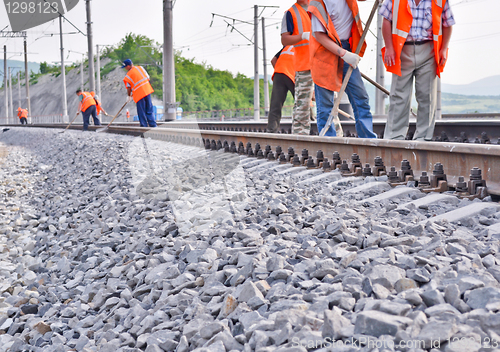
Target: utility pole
<point>81,70</point>
<point>266,81</point>
<point>91,48</point>
<point>11,112</point>
<point>19,87</point>
<point>169,105</point>
<point>27,79</point>
<point>63,73</point>
<point>5,81</point>
<point>98,72</point>
<point>256,90</point>
<point>380,72</point>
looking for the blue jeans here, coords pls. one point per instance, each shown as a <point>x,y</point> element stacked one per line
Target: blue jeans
<point>91,110</point>
<point>145,112</point>
<point>358,98</point>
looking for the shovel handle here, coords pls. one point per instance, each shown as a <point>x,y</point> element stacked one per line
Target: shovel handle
<point>119,111</point>
<point>71,122</point>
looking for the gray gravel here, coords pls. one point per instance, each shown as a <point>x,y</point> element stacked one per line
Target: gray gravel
<point>114,243</point>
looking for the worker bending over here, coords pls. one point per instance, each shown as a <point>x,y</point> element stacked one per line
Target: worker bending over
<point>295,30</point>
<point>337,30</point>
<point>283,82</point>
<point>138,87</point>
<point>416,35</point>
<point>23,115</point>
<point>87,107</point>
<point>98,105</point>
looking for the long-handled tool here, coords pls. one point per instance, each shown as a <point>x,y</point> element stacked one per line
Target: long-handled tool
<point>105,128</point>
<point>334,113</point>
<point>69,124</point>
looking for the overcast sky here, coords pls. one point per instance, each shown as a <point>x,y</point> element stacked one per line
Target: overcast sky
<point>472,54</point>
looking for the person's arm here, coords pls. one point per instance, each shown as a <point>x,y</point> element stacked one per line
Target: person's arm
<point>390,54</point>
<point>289,39</point>
<point>274,60</point>
<point>351,58</point>
<point>446,41</point>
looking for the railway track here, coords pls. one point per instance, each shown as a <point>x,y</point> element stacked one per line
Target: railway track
<point>435,166</point>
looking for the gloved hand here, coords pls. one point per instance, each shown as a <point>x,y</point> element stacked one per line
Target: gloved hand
<point>351,59</point>
<point>306,35</point>
<point>77,113</point>
<point>129,98</point>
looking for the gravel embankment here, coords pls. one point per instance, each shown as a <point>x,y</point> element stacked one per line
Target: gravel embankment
<point>114,243</point>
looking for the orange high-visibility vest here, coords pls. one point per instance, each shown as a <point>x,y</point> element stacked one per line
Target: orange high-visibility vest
<point>97,103</point>
<point>301,24</point>
<point>139,81</point>
<point>22,113</point>
<point>286,63</point>
<point>87,101</point>
<point>326,67</point>
<point>401,24</point>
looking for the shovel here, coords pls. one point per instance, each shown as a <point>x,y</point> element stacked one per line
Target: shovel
<point>105,128</point>
<point>334,114</point>
<point>69,124</point>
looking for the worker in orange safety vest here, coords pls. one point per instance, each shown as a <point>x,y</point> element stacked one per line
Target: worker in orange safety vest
<point>283,82</point>
<point>23,115</point>
<point>88,107</point>
<point>416,35</point>
<point>138,88</point>
<point>337,30</point>
<point>98,105</point>
<point>296,30</point>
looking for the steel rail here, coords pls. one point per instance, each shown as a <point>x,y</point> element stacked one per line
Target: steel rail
<point>457,158</point>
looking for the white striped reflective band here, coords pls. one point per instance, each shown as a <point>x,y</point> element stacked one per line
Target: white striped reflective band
<point>395,10</point>
<point>400,33</point>
<point>288,52</point>
<point>299,19</point>
<point>298,45</point>
<point>321,9</point>
<point>357,18</point>
<point>439,3</point>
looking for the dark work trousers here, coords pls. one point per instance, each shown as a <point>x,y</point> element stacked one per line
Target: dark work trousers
<point>24,121</point>
<point>282,84</point>
<point>91,110</point>
<point>145,112</point>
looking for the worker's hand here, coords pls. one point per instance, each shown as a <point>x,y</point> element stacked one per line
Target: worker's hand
<point>443,54</point>
<point>306,35</point>
<point>129,98</point>
<point>390,56</point>
<point>77,113</point>
<point>351,59</point>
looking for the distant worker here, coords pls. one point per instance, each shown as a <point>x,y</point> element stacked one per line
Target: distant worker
<point>295,30</point>
<point>87,107</point>
<point>416,45</point>
<point>138,87</point>
<point>98,105</point>
<point>128,115</point>
<point>283,82</point>
<point>23,116</point>
<point>337,31</point>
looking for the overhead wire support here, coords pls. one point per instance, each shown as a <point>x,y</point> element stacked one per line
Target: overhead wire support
<point>59,12</point>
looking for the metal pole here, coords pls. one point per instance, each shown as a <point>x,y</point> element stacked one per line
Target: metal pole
<point>5,81</point>
<point>380,72</point>
<point>91,48</point>
<point>11,112</point>
<point>27,76</point>
<point>81,70</point>
<point>169,105</point>
<point>19,87</point>
<point>63,74</point>
<point>98,73</point>
<point>256,90</point>
<point>439,111</point>
<point>266,81</point>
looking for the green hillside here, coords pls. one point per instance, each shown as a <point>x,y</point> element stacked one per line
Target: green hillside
<point>198,87</point>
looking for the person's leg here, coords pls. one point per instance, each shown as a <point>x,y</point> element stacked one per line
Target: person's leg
<point>278,97</point>
<point>324,106</point>
<point>149,111</point>
<point>398,118</point>
<point>94,115</point>
<point>24,121</point>
<point>303,95</point>
<point>426,92</point>
<point>86,116</point>
<point>141,113</point>
<point>360,102</point>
